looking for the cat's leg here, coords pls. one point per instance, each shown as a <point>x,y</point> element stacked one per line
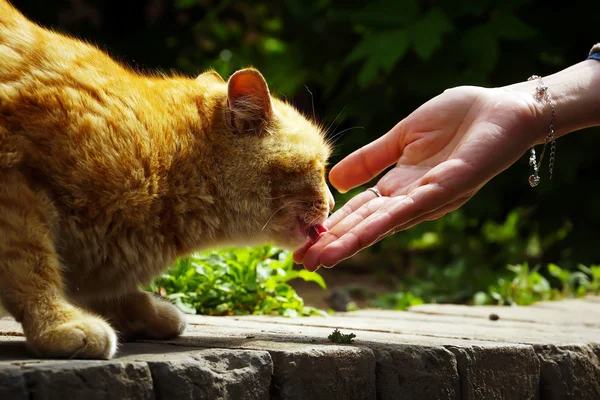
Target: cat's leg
<point>141,315</point>
<point>31,287</point>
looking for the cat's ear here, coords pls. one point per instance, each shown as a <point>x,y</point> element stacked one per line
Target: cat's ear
<point>249,98</point>
<point>210,76</point>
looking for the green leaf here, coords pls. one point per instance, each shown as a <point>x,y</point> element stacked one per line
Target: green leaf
<point>557,272</point>
<point>585,269</point>
<point>518,269</point>
<point>481,298</point>
<point>428,240</point>
<point>471,7</point>
<point>290,313</point>
<point>533,248</point>
<point>184,306</point>
<point>312,277</point>
<point>381,52</point>
<point>185,3</point>
<point>593,271</point>
<point>386,12</point>
<point>428,32</point>
<point>273,24</point>
<point>508,26</point>
<point>482,49</point>
<point>222,308</point>
<point>273,45</point>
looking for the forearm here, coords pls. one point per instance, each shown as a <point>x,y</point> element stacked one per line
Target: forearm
<point>576,95</point>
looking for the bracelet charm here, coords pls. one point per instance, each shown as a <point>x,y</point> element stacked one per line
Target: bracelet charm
<point>541,93</point>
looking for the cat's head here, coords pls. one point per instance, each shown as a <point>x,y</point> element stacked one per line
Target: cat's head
<point>272,161</point>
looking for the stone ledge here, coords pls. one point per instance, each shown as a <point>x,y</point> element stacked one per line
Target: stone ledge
<point>76,380</point>
<point>432,352</point>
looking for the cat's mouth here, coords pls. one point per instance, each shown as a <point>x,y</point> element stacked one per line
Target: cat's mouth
<point>315,232</point>
<point>311,231</point>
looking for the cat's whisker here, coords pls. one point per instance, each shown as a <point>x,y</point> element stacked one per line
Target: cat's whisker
<point>334,121</point>
<point>337,136</point>
<point>292,203</point>
<point>312,208</point>
<point>306,214</point>
<point>278,197</point>
<point>272,215</point>
<point>312,99</point>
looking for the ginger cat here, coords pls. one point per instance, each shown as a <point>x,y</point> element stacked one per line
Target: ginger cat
<point>107,176</point>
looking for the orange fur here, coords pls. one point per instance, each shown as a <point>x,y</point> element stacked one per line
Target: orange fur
<point>107,176</point>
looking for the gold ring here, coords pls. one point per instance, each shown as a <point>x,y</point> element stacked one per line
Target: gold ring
<point>376,191</point>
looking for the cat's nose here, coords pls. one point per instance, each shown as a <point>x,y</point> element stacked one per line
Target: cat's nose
<point>331,200</point>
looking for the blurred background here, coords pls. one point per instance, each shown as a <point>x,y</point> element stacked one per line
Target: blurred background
<point>365,65</point>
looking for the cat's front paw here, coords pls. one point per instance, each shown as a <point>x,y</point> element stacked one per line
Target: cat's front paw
<point>83,337</point>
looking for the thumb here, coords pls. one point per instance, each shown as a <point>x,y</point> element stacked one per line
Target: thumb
<point>369,161</point>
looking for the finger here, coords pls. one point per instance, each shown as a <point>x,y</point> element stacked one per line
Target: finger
<point>351,206</point>
<point>348,208</point>
<point>334,253</point>
<point>401,179</point>
<point>358,235</point>
<point>396,182</point>
<point>440,186</point>
<point>431,216</point>
<point>311,257</point>
<point>330,261</point>
<point>299,253</point>
<point>369,161</point>
<point>399,210</point>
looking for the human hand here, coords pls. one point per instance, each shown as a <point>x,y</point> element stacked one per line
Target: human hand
<point>444,152</point>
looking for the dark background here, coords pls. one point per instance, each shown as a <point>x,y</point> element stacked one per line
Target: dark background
<point>369,64</point>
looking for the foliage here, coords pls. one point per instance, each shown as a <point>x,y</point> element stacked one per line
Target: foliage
<point>237,281</point>
<point>337,337</point>
<point>529,286</point>
<point>398,300</point>
<point>450,259</point>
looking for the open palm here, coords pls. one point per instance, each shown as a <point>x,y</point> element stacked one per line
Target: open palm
<point>444,152</point>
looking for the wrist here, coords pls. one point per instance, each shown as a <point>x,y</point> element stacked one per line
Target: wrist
<point>576,95</point>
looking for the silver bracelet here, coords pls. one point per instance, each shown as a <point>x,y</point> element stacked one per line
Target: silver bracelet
<point>541,93</point>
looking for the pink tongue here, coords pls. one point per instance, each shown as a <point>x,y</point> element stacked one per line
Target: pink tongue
<point>315,232</point>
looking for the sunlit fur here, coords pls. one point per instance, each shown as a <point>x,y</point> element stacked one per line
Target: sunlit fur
<point>107,176</point>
